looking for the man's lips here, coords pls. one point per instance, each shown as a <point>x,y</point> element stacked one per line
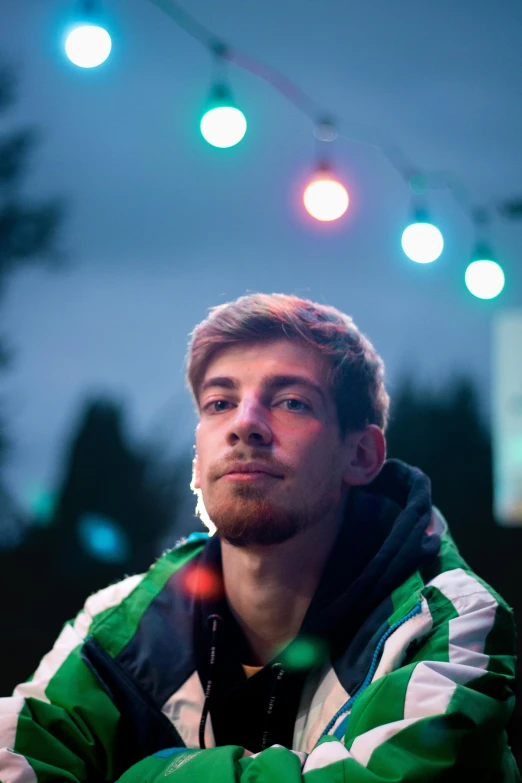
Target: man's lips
<point>251,469</point>
<point>253,475</point>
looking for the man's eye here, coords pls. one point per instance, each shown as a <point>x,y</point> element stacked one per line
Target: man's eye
<point>295,403</point>
<point>210,407</point>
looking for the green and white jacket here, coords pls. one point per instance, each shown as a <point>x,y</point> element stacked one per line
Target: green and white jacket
<point>410,677</point>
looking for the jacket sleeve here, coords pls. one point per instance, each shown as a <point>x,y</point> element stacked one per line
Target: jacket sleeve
<point>61,725</point>
<point>440,716</point>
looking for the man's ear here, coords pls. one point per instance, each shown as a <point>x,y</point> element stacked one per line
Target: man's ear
<point>196,479</point>
<point>366,452</point>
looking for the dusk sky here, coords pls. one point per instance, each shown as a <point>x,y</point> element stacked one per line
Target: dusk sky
<point>161,226</point>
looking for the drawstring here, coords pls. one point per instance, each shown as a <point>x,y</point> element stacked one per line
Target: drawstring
<point>271,702</point>
<point>215,619</point>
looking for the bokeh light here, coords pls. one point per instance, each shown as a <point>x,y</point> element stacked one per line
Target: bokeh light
<point>484,279</point>
<point>223,126</point>
<point>103,538</point>
<point>88,45</point>
<point>422,242</point>
<point>42,503</point>
<point>326,199</point>
<point>202,582</point>
<point>304,652</point>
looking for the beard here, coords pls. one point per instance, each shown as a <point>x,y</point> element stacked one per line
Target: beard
<point>249,518</point>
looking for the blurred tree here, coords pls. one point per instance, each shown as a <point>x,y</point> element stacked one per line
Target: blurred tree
<point>443,434</point>
<point>28,230</point>
<point>114,509</point>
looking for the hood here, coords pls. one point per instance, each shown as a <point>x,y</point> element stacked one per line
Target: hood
<point>383,540</point>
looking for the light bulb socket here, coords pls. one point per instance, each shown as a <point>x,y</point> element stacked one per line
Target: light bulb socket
<point>323,167</point>
<point>89,8</point>
<point>220,95</point>
<point>482,252</point>
<point>420,215</point>
<point>90,14</point>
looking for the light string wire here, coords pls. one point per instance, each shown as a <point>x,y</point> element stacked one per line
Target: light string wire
<point>429,180</point>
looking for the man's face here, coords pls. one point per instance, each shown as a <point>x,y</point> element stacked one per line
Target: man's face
<point>251,411</point>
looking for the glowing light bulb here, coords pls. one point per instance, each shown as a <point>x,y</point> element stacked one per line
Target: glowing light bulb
<point>422,242</point>
<point>223,126</point>
<point>326,199</point>
<point>88,45</point>
<point>484,279</point>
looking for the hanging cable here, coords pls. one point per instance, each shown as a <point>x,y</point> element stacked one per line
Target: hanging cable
<point>510,209</point>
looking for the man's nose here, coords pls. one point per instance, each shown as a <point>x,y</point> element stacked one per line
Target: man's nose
<point>250,423</point>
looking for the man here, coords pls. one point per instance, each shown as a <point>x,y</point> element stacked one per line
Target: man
<point>328,631</point>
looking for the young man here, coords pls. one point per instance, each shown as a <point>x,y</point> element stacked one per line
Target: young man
<point>328,631</point>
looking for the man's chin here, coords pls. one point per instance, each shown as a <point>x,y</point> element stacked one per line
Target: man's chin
<point>261,536</point>
<point>255,524</point>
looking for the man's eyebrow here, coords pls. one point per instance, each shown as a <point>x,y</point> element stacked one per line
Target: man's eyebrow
<point>271,382</point>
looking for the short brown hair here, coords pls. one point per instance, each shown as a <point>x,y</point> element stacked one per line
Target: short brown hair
<point>357,371</point>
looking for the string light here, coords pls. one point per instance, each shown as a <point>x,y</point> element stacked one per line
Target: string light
<point>421,241</point>
<point>88,44</point>
<point>325,198</point>
<point>223,125</point>
<point>484,277</point>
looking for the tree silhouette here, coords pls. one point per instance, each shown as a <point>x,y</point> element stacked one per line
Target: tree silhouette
<point>115,507</point>
<point>112,511</point>
<point>27,228</point>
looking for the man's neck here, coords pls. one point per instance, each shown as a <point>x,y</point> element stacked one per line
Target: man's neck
<point>269,588</point>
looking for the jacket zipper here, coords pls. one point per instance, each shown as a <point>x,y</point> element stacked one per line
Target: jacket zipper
<point>341,729</point>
